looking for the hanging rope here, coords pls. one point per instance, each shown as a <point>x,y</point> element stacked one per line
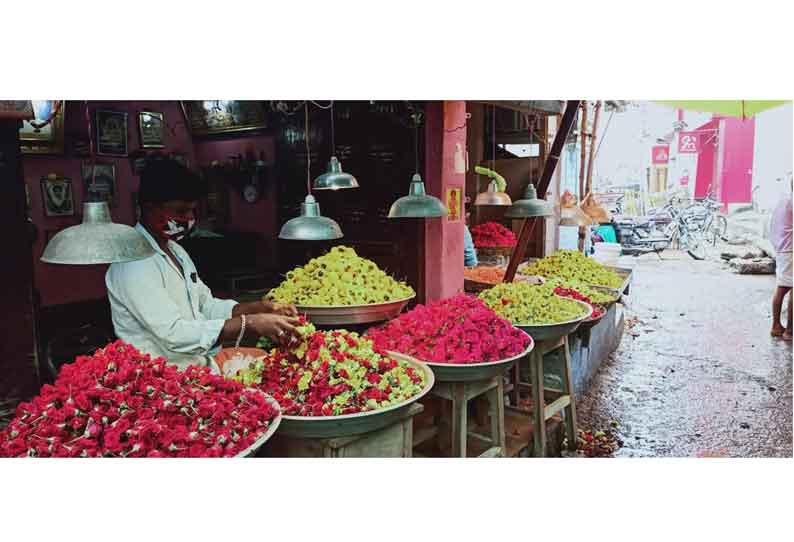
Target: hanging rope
<point>333,137</point>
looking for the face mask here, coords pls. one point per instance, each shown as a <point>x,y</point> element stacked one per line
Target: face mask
<point>174,228</point>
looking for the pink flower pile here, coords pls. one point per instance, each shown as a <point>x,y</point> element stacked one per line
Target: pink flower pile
<point>461,329</point>
<point>492,234</point>
<point>121,403</point>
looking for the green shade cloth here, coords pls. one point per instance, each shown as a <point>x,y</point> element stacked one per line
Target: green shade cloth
<point>734,108</point>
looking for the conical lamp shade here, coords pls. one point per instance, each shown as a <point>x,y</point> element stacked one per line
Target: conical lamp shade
<point>97,241</point>
<point>529,206</point>
<point>417,204</point>
<point>492,196</point>
<point>310,225</point>
<point>334,178</point>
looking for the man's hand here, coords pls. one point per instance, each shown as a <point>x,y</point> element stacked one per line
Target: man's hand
<point>265,307</point>
<point>284,309</point>
<point>275,327</point>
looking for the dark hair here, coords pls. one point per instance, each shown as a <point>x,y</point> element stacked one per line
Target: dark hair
<point>167,180</point>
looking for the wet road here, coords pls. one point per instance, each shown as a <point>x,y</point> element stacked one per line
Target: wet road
<point>698,373</point>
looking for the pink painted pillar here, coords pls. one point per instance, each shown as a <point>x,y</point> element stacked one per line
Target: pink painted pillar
<point>444,236</point>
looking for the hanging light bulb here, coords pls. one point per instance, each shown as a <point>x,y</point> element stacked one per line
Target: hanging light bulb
<point>417,204</point>
<point>529,206</point>
<point>310,225</point>
<point>334,178</point>
<point>97,240</point>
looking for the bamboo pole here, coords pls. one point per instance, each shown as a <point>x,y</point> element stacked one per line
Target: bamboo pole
<point>583,144</point>
<point>549,165</point>
<point>589,182</point>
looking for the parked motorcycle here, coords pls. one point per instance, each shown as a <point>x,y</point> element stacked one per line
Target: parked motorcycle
<point>655,233</point>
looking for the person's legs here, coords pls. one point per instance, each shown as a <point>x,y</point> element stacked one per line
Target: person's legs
<point>787,334</point>
<point>777,306</point>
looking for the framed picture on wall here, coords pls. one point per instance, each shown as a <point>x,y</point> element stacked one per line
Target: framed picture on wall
<point>44,134</point>
<point>56,195</point>
<point>111,132</point>
<point>150,129</point>
<point>99,182</point>
<point>213,117</point>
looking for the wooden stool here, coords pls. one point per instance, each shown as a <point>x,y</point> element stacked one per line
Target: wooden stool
<point>460,393</point>
<point>560,400</point>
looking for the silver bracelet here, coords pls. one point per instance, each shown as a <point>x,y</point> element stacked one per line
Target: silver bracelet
<point>242,331</point>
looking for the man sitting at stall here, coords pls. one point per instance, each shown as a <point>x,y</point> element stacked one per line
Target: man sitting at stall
<point>159,304</point>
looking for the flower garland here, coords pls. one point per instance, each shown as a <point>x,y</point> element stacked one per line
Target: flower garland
<point>492,234</point>
<point>121,403</point>
<point>461,329</point>
<point>330,373</point>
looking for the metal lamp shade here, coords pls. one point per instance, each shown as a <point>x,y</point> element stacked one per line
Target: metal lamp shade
<point>529,206</point>
<point>96,241</point>
<point>417,204</point>
<point>334,178</point>
<point>310,225</point>
<point>492,196</point>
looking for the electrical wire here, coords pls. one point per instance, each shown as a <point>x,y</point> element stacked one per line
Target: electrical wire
<point>329,106</point>
<point>308,151</point>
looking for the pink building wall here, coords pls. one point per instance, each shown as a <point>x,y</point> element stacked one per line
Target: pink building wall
<point>735,174</point>
<point>444,238</point>
<point>706,158</point>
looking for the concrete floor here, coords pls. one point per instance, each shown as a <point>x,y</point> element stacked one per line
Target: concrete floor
<point>697,373</point>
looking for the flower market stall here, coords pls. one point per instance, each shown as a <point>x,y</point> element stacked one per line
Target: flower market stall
<point>334,392</point>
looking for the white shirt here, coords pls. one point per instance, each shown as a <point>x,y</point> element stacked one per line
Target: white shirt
<point>163,312</point>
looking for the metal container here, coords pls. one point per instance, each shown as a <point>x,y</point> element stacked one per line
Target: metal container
<point>252,449</point>
<point>625,274</point>
<point>354,314</point>
<point>469,372</point>
<point>542,332</point>
<point>347,425</point>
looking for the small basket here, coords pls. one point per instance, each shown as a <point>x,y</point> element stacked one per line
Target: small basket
<point>494,252</point>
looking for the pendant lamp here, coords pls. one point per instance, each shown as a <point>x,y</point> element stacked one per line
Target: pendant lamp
<point>417,204</point>
<point>529,206</point>
<point>97,240</point>
<point>310,225</point>
<point>495,194</point>
<point>334,178</point>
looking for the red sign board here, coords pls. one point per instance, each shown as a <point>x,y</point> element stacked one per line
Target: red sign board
<point>688,143</point>
<point>660,154</point>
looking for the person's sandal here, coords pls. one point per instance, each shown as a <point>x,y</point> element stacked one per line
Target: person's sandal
<point>787,337</point>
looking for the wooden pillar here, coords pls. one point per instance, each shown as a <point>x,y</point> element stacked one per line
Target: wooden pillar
<point>18,378</point>
<point>444,129</point>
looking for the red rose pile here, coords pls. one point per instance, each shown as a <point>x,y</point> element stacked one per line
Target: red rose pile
<point>329,373</point>
<point>121,403</point>
<point>492,235</point>
<point>598,311</point>
<point>461,329</point>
